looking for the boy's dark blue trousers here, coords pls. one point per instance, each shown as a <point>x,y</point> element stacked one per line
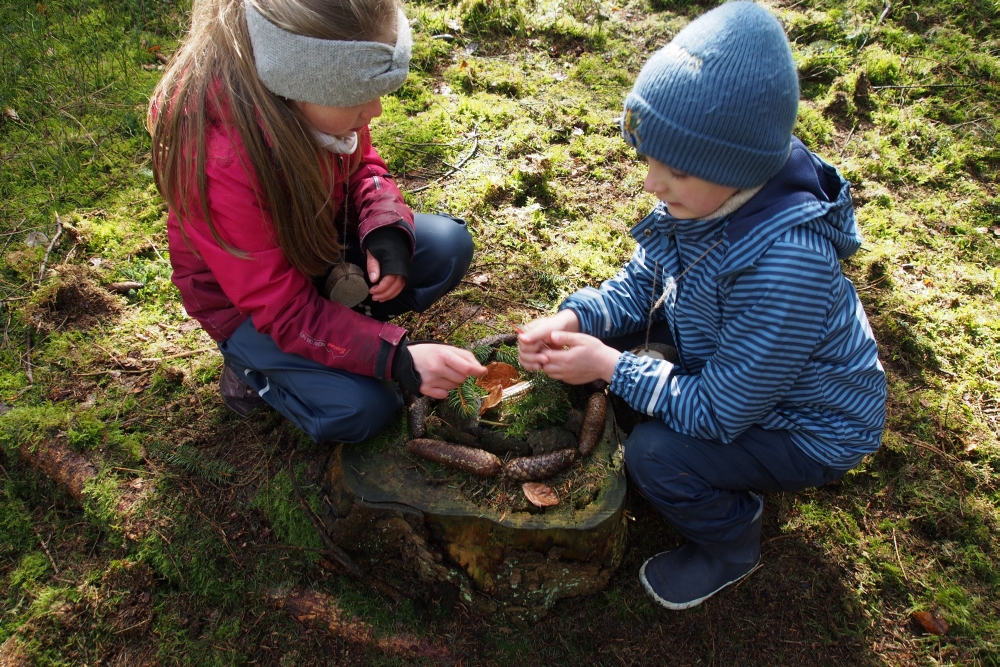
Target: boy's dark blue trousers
<point>331,404</point>
<point>704,487</point>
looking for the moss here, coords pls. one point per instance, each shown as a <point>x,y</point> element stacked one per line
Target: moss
<point>285,514</point>
<point>32,568</point>
<point>813,128</point>
<point>883,67</point>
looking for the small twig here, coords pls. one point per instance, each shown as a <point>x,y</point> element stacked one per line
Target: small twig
<point>463,322</point>
<point>461,163</point>
<point>928,85</point>
<point>335,551</point>
<point>52,243</point>
<point>930,448</point>
<point>849,137</point>
<point>27,359</point>
<point>45,548</point>
<point>115,370</point>
<point>188,353</point>
<point>153,245</point>
<point>225,540</point>
<point>898,559</point>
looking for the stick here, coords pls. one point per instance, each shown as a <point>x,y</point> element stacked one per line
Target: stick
<point>898,559</point>
<point>27,359</point>
<point>52,243</point>
<point>461,163</point>
<point>335,551</point>
<point>45,548</point>
<point>179,355</point>
<point>929,85</point>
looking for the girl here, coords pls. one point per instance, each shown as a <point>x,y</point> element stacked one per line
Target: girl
<point>262,151</point>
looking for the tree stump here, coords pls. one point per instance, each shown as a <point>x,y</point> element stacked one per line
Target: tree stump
<point>387,509</point>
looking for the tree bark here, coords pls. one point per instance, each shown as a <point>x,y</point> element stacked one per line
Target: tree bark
<point>57,461</point>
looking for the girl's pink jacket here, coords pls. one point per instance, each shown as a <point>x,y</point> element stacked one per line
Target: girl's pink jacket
<point>221,290</point>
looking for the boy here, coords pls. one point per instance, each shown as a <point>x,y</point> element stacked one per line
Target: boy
<point>777,386</point>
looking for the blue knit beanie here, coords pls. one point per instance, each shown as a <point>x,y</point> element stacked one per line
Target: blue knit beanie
<point>719,101</point>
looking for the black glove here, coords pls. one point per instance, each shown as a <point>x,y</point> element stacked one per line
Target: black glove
<point>391,247</point>
<point>403,371</point>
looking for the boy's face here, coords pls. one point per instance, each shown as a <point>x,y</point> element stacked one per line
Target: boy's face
<point>338,121</point>
<point>687,197</point>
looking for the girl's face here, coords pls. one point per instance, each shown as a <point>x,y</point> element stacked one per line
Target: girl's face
<point>687,197</point>
<point>338,121</point>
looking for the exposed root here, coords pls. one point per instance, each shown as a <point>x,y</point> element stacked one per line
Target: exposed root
<point>322,611</point>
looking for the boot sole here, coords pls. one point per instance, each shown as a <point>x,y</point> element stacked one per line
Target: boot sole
<point>677,606</point>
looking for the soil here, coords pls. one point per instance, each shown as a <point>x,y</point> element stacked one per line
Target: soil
<point>75,301</point>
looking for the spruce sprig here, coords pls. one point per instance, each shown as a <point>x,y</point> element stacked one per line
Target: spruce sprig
<point>465,398</point>
<point>195,462</point>
<point>508,354</point>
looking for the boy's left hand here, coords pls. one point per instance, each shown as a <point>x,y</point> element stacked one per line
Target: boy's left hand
<point>386,289</point>
<point>577,358</point>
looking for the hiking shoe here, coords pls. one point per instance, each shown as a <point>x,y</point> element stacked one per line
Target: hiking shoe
<point>686,577</point>
<point>238,396</point>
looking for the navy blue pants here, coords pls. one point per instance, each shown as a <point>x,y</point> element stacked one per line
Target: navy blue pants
<point>331,404</point>
<point>703,487</point>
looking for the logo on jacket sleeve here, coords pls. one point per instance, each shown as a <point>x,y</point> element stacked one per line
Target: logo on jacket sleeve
<point>630,127</point>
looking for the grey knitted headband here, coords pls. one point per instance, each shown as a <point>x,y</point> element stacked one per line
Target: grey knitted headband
<point>324,71</point>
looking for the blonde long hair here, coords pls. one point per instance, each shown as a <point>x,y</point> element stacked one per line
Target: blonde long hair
<point>213,78</point>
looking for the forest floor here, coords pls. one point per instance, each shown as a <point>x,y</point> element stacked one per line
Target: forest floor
<point>508,119</point>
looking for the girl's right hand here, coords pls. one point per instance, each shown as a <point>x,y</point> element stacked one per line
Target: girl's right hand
<point>536,338</point>
<point>442,367</point>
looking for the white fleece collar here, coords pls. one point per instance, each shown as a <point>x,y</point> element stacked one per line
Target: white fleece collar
<point>345,145</point>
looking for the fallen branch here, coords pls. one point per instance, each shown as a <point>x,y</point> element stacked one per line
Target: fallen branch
<point>179,355</point>
<point>124,287</point>
<point>52,244</point>
<point>322,611</point>
<point>61,464</point>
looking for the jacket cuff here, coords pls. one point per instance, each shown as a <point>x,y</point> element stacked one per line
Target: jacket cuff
<point>395,216</point>
<point>391,247</point>
<point>403,370</point>
<point>390,337</point>
<point>641,381</point>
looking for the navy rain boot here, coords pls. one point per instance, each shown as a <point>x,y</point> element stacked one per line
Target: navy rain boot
<point>687,576</point>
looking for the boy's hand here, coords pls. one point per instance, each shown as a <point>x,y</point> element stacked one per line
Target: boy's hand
<point>535,341</point>
<point>442,367</point>
<point>388,287</point>
<point>577,358</point>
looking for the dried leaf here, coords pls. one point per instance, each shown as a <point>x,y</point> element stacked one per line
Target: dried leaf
<point>481,278</point>
<point>931,622</point>
<point>12,114</point>
<point>500,373</point>
<point>540,495</point>
<point>493,398</point>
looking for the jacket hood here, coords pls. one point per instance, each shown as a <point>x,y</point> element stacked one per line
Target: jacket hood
<point>806,190</point>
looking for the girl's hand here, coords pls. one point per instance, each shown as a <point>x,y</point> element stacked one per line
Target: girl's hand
<point>442,367</point>
<point>577,358</point>
<point>534,342</point>
<point>386,289</point>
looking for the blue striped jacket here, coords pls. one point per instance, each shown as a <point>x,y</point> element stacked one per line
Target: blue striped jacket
<point>767,328</point>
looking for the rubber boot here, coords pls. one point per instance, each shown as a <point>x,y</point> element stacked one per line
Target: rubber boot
<point>687,576</point>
